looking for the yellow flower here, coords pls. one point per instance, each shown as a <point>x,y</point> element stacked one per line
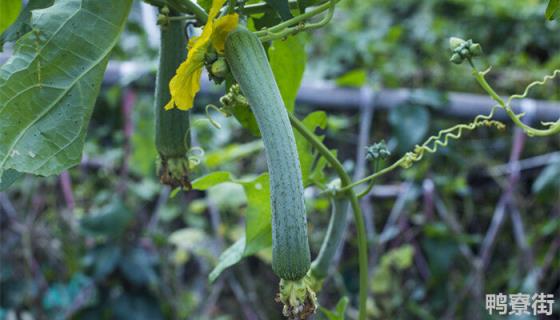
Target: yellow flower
<point>186,83</point>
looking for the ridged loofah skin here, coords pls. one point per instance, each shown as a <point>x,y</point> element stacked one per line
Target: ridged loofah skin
<point>249,65</point>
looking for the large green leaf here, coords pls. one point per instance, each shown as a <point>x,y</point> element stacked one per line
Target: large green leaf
<point>22,25</point>
<point>258,231</point>
<point>352,79</point>
<point>339,310</point>
<point>137,305</point>
<point>137,266</point>
<point>228,258</point>
<point>143,148</point>
<point>547,184</point>
<point>8,177</point>
<point>49,86</point>
<point>108,221</point>
<point>410,123</point>
<point>282,7</point>
<point>231,153</point>
<point>287,60</point>
<point>553,9</point>
<point>9,10</point>
<point>306,152</point>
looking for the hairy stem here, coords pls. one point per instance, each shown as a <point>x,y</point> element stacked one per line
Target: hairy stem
<point>263,7</point>
<point>296,24</point>
<point>192,7</point>
<point>182,6</point>
<point>358,219</point>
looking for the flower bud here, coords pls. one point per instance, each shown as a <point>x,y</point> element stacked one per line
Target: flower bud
<point>475,49</point>
<point>455,42</point>
<point>162,19</point>
<point>456,58</point>
<point>219,68</point>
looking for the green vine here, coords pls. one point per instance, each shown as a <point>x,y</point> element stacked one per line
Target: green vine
<point>533,84</point>
<point>182,6</point>
<point>298,23</point>
<point>431,145</point>
<point>467,50</point>
<point>553,127</point>
<point>262,7</point>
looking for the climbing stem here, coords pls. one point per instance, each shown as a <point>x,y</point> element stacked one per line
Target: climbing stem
<point>262,7</point>
<point>554,128</point>
<point>333,238</point>
<point>370,178</point>
<point>192,7</point>
<point>431,145</point>
<point>364,192</point>
<point>357,211</point>
<point>297,23</point>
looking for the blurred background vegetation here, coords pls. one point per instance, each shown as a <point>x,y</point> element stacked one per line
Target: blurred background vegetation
<point>105,241</point>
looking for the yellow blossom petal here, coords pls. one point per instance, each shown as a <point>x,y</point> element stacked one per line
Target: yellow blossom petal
<point>186,83</point>
<point>223,26</point>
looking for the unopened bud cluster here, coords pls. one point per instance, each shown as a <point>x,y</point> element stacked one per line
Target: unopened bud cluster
<point>378,151</point>
<point>216,66</point>
<point>463,49</point>
<point>163,16</point>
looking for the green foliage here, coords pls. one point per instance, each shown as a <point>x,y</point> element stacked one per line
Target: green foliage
<point>311,171</point>
<point>109,221</point>
<point>547,184</point>
<point>143,149</point>
<point>392,263</point>
<point>281,7</point>
<point>228,258</point>
<point>553,10</point>
<point>60,296</point>
<point>22,25</point>
<point>102,260</point>
<point>353,78</point>
<point>339,310</point>
<point>303,4</point>
<point>45,121</point>
<point>9,10</point>
<point>8,177</point>
<point>137,306</point>
<point>410,124</point>
<point>231,153</point>
<point>287,60</point>
<point>138,267</point>
<point>403,42</point>
<point>386,281</point>
<point>257,217</point>
<point>205,4</point>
